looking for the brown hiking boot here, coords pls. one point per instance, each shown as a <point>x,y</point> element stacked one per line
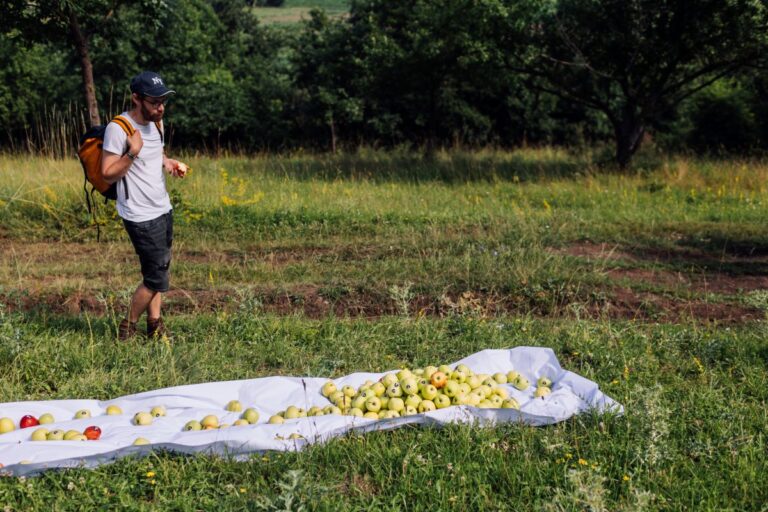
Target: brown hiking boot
<point>126,330</point>
<point>156,328</point>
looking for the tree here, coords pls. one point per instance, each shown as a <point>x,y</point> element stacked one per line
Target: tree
<point>633,60</point>
<point>66,20</point>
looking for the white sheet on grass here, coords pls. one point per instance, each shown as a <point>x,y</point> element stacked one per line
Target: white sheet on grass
<point>571,394</point>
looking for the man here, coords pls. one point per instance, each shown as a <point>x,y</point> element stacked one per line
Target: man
<point>137,163</point>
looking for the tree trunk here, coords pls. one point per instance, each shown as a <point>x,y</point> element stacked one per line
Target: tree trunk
<point>332,126</point>
<point>81,46</point>
<point>629,135</point>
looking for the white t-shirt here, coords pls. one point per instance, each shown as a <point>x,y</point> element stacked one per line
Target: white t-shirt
<point>147,197</point>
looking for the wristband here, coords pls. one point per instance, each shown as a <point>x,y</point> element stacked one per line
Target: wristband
<point>130,155</point>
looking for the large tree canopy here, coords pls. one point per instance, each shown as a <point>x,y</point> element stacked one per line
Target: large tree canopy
<point>634,60</point>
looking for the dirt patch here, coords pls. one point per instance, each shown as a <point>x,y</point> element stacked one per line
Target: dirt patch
<point>312,302</point>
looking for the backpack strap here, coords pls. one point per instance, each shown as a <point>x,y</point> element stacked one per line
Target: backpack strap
<point>127,127</point>
<point>159,126</point>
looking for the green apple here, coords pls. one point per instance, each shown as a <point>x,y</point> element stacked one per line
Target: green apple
<point>500,378</point>
<point>510,403</point>
<point>224,425</point>
<point>334,410</point>
<point>418,372</point>
<point>55,435</point>
<point>422,383</point>
<point>366,393</point>
<point>459,376</point>
<point>521,383</point>
<point>336,396</point>
<point>355,411</point>
<point>79,437</point>
<point>496,400</point>
<point>7,425</point>
<point>410,410</point>
<point>403,374</point>
<point>512,376</point>
<point>358,402</point>
<point>383,414</point>
<point>394,390</point>
<point>241,422</point>
<point>210,421</point>
<point>295,435</point>
<point>485,404</point>
<point>292,412</point>
<point>472,399</point>
<point>113,410</point>
<point>250,415</point>
<point>541,392</point>
<point>428,371</point>
<point>464,369</point>
<point>328,388</point>
<point>344,402</point>
<point>486,390</point>
<point>41,434</point>
<point>542,382</point>
<point>69,435</point>
<point>465,388</point>
<point>410,386</point>
<point>46,419</point>
<point>157,411</point>
<point>429,392</point>
<point>451,388</point>
<point>445,369</point>
<point>502,392</point>
<point>373,404</point>
<point>384,401</point>
<point>140,441</point>
<point>82,413</point>
<point>459,399</point>
<point>474,381</point>
<point>379,389</point>
<point>328,409</point>
<point>349,391</point>
<point>426,406</point>
<point>142,418</point>
<point>442,401</point>
<point>490,382</point>
<point>412,400</point>
<point>234,406</point>
<point>371,415</point>
<point>276,420</point>
<point>315,411</point>
<point>193,425</point>
<point>396,404</point>
<point>389,379</point>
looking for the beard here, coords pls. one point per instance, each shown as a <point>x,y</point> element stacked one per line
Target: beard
<point>149,116</point>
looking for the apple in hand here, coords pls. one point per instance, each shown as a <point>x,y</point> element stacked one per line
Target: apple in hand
<point>28,421</point>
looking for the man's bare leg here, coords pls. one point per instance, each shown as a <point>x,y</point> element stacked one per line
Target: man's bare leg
<point>153,310</point>
<point>142,299</point>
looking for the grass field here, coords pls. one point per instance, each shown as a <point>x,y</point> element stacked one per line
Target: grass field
<point>653,283</point>
<point>293,11</point>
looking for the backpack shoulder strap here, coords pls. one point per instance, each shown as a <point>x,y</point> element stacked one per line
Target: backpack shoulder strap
<point>125,124</point>
<point>159,126</point>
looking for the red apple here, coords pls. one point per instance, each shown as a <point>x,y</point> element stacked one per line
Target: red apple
<point>92,433</point>
<point>28,421</point>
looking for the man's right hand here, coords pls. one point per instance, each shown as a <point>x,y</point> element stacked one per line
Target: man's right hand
<point>135,142</point>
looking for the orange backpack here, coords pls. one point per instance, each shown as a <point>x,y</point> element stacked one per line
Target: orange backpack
<point>90,151</point>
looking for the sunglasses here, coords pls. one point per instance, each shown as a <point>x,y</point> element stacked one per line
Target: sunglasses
<point>156,103</point>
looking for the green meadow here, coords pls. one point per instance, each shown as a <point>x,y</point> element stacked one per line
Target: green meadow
<point>651,282</point>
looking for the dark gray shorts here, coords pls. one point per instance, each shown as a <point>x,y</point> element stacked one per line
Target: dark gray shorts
<point>152,240</point>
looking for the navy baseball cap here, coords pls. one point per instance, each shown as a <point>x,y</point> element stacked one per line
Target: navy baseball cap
<point>149,83</point>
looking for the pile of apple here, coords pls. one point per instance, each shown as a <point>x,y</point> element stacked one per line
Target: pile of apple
<point>249,417</point>
<point>409,392</point>
<point>91,433</point>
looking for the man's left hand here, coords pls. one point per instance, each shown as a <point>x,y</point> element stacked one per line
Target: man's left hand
<point>176,168</point>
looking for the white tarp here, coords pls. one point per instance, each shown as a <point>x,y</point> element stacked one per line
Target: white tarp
<point>571,394</point>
